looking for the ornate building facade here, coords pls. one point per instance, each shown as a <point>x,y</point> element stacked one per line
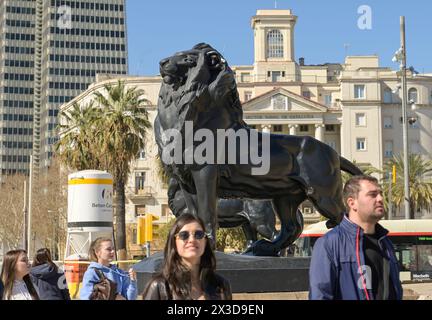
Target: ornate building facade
<point>354,107</point>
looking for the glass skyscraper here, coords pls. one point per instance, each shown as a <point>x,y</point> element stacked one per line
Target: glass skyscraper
<point>50,51</point>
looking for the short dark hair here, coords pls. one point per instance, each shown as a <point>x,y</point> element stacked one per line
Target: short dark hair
<point>352,187</point>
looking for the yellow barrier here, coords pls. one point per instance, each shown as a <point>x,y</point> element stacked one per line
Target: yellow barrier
<point>88,262</point>
<point>74,272</point>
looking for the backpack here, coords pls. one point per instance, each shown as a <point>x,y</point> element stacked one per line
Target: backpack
<point>104,289</point>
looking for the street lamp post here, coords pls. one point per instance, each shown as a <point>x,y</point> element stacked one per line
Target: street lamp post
<point>401,57</point>
<point>29,213</point>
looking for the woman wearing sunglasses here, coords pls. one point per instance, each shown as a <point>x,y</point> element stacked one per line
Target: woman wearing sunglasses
<point>188,272</point>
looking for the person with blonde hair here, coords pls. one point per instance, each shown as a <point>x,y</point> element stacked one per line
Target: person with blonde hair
<point>15,277</point>
<point>101,255</point>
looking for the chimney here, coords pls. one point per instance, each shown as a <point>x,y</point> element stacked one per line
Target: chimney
<point>301,61</point>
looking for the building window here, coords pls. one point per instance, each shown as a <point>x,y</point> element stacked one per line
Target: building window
<point>275,44</point>
<point>330,128</point>
<point>139,181</point>
<point>140,210</point>
<point>388,96</point>
<point>412,95</point>
<point>304,128</point>
<point>279,102</point>
<point>361,144</point>
<point>277,128</point>
<point>415,147</point>
<point>360,119</point>
<point>166,211</point>
<point>359,91</point>
<point>327,100</point>
<point>245,77</point>
<point>331,144</point>
<point>388,149</point>
<point>141,154</point>
<point>275,76</point>
<point>247,95</point>
<point>430,97</point>
<point>306,94</point>
<point>388,122</point>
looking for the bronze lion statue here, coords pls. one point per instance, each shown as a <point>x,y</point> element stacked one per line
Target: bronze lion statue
<point>253,216</point>
<point>212,153</point>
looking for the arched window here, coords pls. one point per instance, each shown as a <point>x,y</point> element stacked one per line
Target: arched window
<point>412,95</point>
<point>275,44</point>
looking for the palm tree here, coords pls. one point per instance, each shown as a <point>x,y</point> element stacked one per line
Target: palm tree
<point>162,171</point>
<point>420,196</point>
<point>77,145</point>
<point>123,129</point>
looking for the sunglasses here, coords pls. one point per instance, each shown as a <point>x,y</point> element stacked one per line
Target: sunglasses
<point>184,235</point>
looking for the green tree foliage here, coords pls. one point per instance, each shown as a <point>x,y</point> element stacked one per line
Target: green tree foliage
<point>78,146</point>
<point>420,183</point>
<point>107,135</point>
<point>230,238</point>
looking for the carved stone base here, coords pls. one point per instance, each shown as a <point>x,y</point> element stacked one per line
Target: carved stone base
<point>245,273</point>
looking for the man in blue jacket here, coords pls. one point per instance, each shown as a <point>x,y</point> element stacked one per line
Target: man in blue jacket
<point>356,260</point>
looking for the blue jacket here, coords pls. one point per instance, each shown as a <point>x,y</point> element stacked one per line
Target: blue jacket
<point>50,282</point>
<point>125,287</point>
<point>337,269</point>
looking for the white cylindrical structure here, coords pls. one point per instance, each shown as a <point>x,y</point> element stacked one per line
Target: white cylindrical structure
<point>90,209</point>
<point>90,195</point>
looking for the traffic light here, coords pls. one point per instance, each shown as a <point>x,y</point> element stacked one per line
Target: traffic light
<point>145,228</point>
<point>140,230</point>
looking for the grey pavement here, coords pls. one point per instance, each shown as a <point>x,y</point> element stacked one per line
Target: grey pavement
<point>412,291</point>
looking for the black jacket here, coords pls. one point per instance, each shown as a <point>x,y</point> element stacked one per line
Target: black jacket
<point>50,282</point>
<point>158,289</point>
<point>1,290</point>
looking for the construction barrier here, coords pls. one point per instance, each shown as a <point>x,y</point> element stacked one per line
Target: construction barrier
<point>74,272</point>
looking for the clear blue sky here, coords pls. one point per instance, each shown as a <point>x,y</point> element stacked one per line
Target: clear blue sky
<point>158,28</point>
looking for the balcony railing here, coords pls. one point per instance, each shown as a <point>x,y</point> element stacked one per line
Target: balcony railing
<point>146,191</point>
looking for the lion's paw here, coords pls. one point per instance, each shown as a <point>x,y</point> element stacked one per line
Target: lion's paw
<point>263,248</point>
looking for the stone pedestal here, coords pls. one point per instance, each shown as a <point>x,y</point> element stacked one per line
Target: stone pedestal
<point>247,274</point>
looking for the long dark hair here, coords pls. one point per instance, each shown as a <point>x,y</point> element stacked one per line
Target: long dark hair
<point>43,256</point>
<point>8,275</point>
<point>176,274</point>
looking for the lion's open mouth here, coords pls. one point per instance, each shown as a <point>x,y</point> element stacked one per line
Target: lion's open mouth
<point>169,77</point>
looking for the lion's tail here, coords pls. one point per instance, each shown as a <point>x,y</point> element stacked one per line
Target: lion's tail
<point>349,167</point>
